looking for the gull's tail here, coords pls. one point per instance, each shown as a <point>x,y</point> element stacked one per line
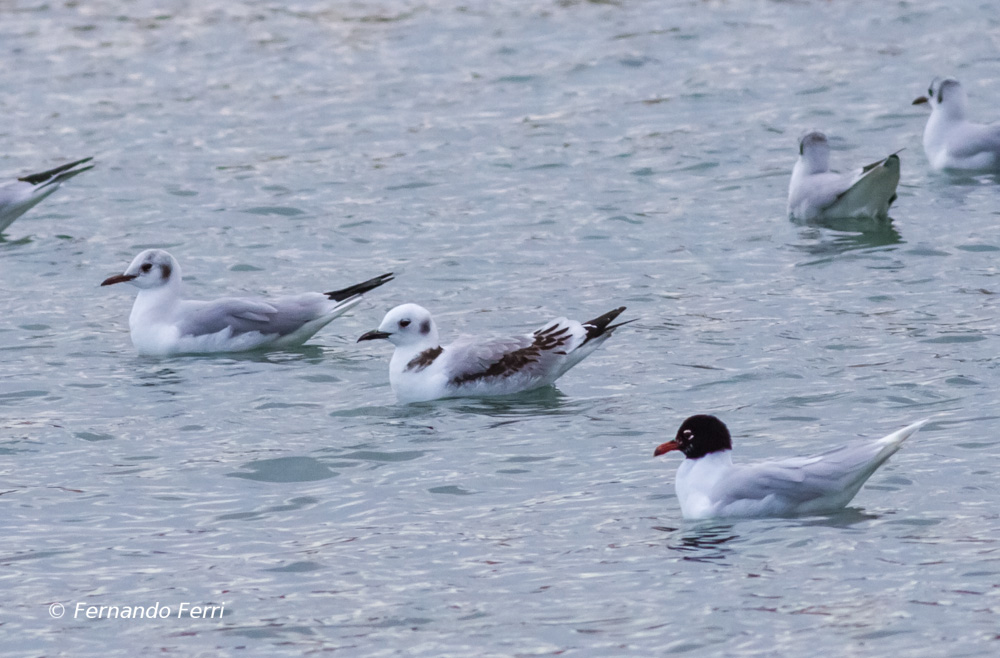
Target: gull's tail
<point>893,442</point>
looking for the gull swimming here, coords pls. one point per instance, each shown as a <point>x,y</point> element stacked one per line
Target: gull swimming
<point>19,196</point>
<point>950,140</point>
<point>815,192</point>
<point>422,369</point>
<point>709,485</point>
<point>162,323</point>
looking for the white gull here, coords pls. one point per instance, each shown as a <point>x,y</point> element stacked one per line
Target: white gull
<point>816,193</point>
<point>162,323</point>
<point>951,141</point>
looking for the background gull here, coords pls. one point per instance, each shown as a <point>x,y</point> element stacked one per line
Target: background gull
<point>421,369</point>
<point>815,192</point>
<point>161,323</point>
<point>950,140</point>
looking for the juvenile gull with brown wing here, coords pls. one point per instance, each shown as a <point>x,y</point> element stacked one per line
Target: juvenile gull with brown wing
<point>422,369</point>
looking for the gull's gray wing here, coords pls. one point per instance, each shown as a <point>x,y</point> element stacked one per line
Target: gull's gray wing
<point>837,472</point>
<point>241,315</point>
<point>970,139</point>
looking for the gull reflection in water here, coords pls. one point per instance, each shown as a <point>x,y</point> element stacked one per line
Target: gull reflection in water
<point>704,542</point>
<point>824,238</point>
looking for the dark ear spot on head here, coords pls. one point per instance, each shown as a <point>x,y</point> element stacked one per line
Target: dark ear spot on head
<point>425,327</point>
<point>166,271</point>
<point>940,98</point>
<point>802,147</point>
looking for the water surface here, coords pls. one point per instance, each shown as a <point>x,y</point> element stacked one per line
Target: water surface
<point>511,163</point>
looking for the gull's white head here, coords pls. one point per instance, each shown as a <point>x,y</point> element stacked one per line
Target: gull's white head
<point>814,152</point>
<point>152,268</point>
<point>406,325</point>
<point>945,95</point>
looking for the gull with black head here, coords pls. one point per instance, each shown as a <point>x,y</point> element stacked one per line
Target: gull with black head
<point>422,369</point>
<point>709,484</point>
<point>162,323</point>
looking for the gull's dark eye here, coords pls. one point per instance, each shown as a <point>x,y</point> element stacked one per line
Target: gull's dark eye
<point>404,323</point>
<point>930,91</point>
<point>146,267</point>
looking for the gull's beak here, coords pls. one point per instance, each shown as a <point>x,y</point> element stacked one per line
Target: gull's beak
<point>375,334</point>
<point>118,278</point>
<point>664,448</point>
<point>919,100</point>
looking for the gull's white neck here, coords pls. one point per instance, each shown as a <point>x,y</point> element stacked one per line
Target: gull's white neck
<point>697,479</point>
<point>155,304</point>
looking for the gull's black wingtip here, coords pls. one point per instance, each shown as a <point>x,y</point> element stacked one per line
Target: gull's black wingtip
<point>43,176</point>
<point>359,288</point>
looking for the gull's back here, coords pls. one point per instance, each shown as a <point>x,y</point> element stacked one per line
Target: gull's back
<point>806,485</point>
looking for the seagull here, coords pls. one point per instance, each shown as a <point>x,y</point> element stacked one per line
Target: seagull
<point>19,196</point>
<point>163,324</point>
<point>815,192</point>
<point>421,369</point>
<point>950,140</point>
<point>709,485</point>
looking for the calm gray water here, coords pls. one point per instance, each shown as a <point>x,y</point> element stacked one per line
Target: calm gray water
<point>512,162</point>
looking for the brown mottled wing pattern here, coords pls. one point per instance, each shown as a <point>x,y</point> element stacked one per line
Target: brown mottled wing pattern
<point>506,357</point>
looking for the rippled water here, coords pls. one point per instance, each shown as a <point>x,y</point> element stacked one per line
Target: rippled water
<point>512,163</point>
